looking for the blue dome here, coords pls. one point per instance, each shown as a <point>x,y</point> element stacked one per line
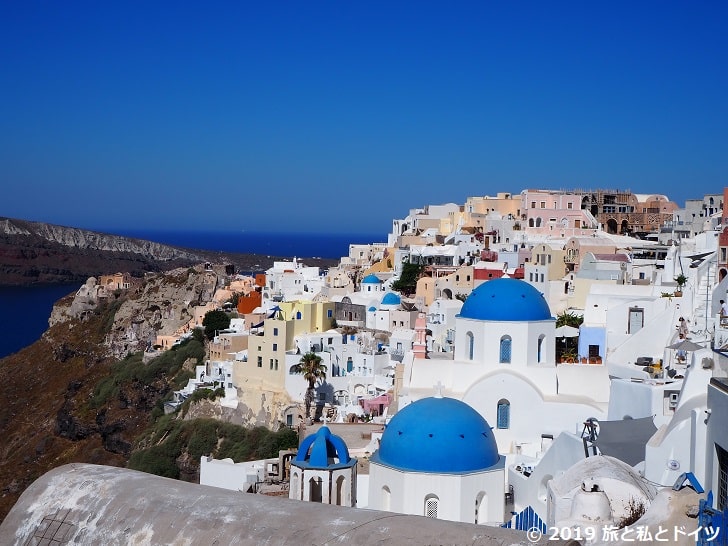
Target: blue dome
<point>372,308</point>
<point>438,435</point>
<point>319,450</point>
<point>371,279</point>
<point>390,298</point>
<point>506,299</point>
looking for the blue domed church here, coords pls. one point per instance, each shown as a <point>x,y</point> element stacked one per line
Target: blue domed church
<point>504,367</point>
<point>323,471</point>
<point>438,458</point>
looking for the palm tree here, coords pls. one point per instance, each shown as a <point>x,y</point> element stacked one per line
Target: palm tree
<point>312,369</point>
<point>681,281</point>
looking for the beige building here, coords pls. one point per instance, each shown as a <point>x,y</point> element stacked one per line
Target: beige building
<point>224,346</point>
<point>265,367</point>
<point>459,282</point>
<point>117,281</point>
<point>576,247</point>
<point>477,208</point>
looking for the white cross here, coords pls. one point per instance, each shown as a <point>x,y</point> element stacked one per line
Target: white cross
<point>438,389</point>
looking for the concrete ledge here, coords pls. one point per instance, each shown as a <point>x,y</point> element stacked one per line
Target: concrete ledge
<point>90,504</point>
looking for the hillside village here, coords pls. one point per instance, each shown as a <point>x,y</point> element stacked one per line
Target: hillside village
<point>551,358</point>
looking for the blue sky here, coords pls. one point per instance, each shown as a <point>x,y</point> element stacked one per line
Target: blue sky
<point>317,116</point>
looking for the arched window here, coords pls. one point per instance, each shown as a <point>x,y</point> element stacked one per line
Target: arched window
<point>298,315</point>
<point>530,222</point>
<point>349,365</point>
<point>505,350</point>
<point>431,505</point>
<point>386,498</point>
<point>294,485</point>
<point>503,417</point>
<point>315,492</point>
<point>471,344</point>
<point>340,490</point>
<point>481,508</point>
<point>540,348</point>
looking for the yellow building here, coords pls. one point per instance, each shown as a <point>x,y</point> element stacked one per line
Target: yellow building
<point>265,367</point>
<point>308,316</point>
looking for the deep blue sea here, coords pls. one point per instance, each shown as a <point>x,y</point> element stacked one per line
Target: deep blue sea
<point>319,245</point>
<point>26,310</point>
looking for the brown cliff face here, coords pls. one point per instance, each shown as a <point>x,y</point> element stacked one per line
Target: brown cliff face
<point>43,420</point>
<point>53,411</point>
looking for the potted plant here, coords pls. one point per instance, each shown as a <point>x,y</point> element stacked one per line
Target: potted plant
<point>681,281</point>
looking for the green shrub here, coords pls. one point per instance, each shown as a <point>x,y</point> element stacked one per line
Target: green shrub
<point>203,438</point>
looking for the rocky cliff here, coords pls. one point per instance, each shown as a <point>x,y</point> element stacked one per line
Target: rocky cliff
<point>40,253</point>
<point>35,252</point>
<point>85,392</point>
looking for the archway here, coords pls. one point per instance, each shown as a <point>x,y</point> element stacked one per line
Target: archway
<point>432,503</point>
<point>340,490</point>
<point>471,345</point>
<point>315,491</point>
<point>386,499</point>
<point>481,508</point>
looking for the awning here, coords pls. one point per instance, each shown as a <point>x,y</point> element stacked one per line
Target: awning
<point>626,439</point>
<point>567,331</point>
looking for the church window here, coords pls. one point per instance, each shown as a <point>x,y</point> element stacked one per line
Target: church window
<point>503,418</point>
<point>481,508</point>
<point>505,350</point>
<point>540,348</point>
<point>315,492</point>
<point>349,365</point>
<point>298,315</point>
<point>431,504</point>
<point>471,345</point>
<point>340,490</point>
<point>386,498</point>
<point>294,484</point>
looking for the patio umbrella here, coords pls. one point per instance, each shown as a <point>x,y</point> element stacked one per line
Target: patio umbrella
<point>567,331</point>
<point>685,345</point>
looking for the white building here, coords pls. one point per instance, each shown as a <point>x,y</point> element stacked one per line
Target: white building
<point>504,367</point>
<point>288,281</point>
<point>438,458</point>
